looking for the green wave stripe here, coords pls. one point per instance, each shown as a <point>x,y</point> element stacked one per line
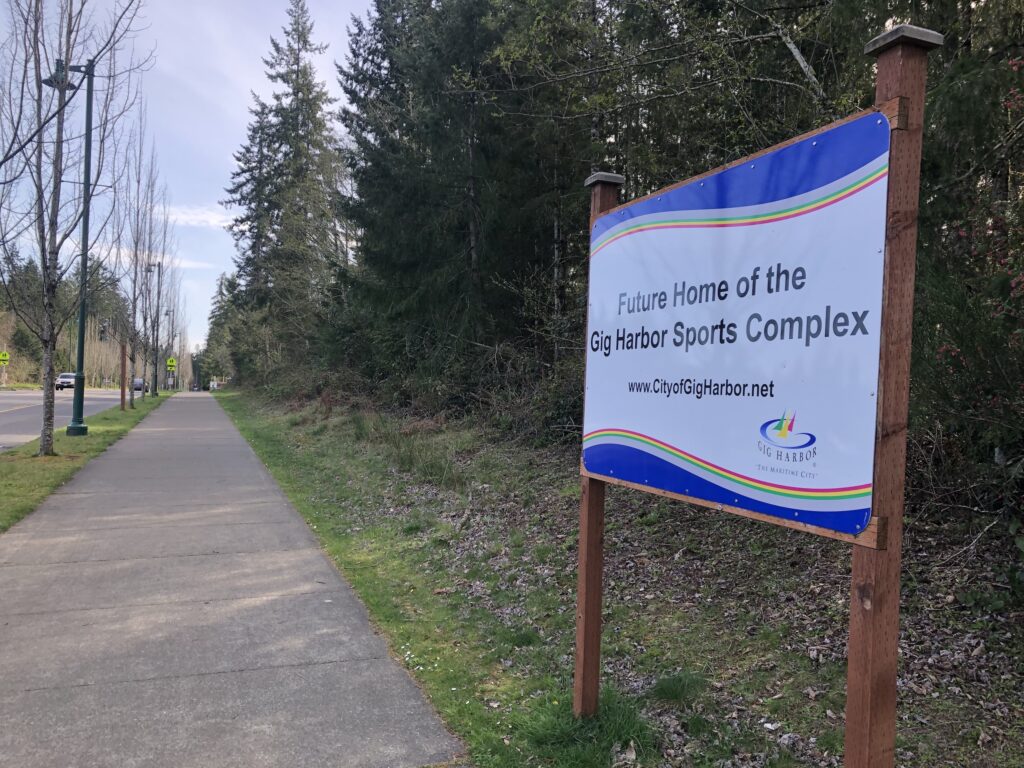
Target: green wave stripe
<point>723,475</point>
<point>727,220</point>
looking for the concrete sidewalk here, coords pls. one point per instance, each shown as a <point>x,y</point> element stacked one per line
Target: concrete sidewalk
<point>169,607</point>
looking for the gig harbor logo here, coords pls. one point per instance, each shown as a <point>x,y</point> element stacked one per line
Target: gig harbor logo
<point>780,433</point>
<point>780,440</point>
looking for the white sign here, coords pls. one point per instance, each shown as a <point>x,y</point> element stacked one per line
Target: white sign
<point>733,335</point>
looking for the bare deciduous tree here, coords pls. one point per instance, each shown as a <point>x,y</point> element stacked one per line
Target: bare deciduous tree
<point>140,201</point>
<point>40,205</point>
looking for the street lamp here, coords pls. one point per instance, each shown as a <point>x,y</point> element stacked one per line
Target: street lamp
<point>59,79</point>
<point>168,378</point>
<point>156,323</point>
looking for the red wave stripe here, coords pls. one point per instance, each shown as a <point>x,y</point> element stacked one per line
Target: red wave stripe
<point>723,470</point>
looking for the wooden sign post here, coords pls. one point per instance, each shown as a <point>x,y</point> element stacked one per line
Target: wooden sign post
<point>604,195</point>
<point>874,612</point>
<point>875,595</point>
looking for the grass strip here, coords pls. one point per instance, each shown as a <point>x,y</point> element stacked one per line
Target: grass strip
<point>27,479</point>
<point>723,640</point>
<point>366,489</point>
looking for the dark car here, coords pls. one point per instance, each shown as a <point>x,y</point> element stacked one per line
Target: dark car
<point>65,381</point>
<point>140,385</point>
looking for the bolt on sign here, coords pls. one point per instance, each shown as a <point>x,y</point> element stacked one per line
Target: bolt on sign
<point>733,334</point>
<point>172,364</point>
<point>5,358</point>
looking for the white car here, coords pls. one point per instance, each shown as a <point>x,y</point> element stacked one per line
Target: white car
<point>65,381</point>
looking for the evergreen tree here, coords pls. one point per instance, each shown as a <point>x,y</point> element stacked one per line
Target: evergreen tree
<point>286,187</point>
<point>254,191</point>
<point>225,349</point>
<point>472,124</point>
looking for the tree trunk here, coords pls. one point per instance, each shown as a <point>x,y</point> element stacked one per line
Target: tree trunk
<point>46,434</point>
<point>595,120</point>
<point>558,269</point>
<point>1001,198</point>
<point>131,377</point>
<point>50,262</point>
<point>475,284</point>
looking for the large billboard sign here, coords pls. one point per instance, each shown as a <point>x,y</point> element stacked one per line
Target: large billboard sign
<point>734,328</point>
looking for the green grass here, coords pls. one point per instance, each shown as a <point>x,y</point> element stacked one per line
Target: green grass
<point>682,689</point>
<point>462,549</point>
<point>27,479</point>
<point>504,689</point>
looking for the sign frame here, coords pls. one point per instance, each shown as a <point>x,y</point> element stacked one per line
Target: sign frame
<point>870,735</point>
<point>874,533</point>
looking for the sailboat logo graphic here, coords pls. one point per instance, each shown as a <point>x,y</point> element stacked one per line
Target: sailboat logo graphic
<point>780,432</point>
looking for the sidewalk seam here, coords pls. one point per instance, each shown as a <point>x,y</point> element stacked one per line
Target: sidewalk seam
<point>43,533</point>
<point>159,678</point>
<point>154,557</point>
<point>176,602</point>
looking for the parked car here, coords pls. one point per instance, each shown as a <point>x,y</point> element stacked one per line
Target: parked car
<point>140,385</point>
<point>65,381</point>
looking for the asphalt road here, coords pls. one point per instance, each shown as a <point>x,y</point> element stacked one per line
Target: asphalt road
<point>21,412</point>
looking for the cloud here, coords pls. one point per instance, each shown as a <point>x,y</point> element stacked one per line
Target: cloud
<point>193,264</point>
<point>199,216</point>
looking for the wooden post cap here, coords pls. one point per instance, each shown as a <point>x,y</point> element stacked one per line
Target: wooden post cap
<point>904,34</point>
<point>603,177</point>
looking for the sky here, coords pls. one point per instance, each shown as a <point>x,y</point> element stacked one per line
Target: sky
<point>207,60</point>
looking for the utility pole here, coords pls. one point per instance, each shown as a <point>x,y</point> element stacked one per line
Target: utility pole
<point>156,326</point>
<point>124,371</point>
<point>170,382</point>
<point>77,427</point>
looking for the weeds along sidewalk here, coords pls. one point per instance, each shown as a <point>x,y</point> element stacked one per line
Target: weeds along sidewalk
<point>374,496</point>
<point>26,479</point>
<point>724,642</point>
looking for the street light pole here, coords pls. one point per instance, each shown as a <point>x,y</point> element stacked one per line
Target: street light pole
<point>156,328</point>
<point>77,427</point>
<point>171,381</point>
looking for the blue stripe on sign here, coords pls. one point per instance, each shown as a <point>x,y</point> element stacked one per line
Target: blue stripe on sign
<point>637,466</point>
<point>794,170</point>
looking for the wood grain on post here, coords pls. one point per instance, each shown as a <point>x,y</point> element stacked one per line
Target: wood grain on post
<point>586,683</point>
<point>875,595</point>
<point>604,195</point>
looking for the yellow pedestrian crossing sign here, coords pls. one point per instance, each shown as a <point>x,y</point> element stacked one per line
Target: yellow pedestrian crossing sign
<point>5,358</point>
<point>172,364</point>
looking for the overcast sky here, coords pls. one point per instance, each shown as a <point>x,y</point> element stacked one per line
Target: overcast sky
<point>207,59</point>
